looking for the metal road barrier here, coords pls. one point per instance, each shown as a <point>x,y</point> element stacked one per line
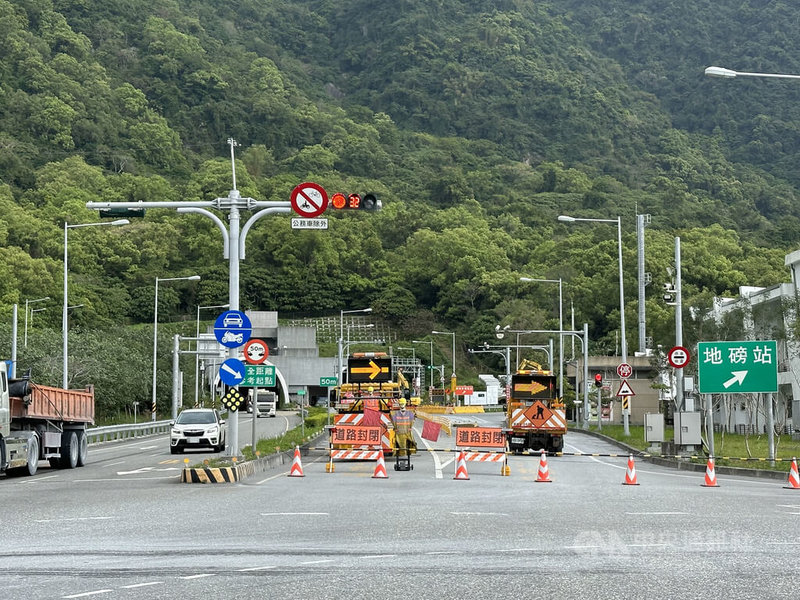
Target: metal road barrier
<point>122,432</point>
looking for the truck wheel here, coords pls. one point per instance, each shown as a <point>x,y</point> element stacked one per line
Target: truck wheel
<point>69,450</point>
<point>83,448</point>
<point>33,460</point>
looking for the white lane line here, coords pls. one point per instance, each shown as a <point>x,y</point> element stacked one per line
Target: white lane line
<point>271,478</point>
<point>580,547</point>
<point>443,552</point>
<point>294,514</point>
<point>316,562</point>
<point>86,594</point>
<point>37,480</point>
<point>256,569</point>
<point>149,447</point>
<point>198,576</point>
<point>437,463</point>
<point>138,585</point>
<point>646,545</point>
<point>379,556</point>
<point>122,462</point>
<point>68,519</point>
<point>489,514</point>
<point>657,513</point>
<point>100,480</point>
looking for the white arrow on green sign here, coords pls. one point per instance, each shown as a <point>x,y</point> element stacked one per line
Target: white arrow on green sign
<point>744,367</point>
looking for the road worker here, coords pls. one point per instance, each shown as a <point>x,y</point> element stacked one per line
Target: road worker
<point>403,420</point>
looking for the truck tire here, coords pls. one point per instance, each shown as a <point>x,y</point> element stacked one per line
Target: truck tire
<point>83,448</point>
<point>69,450</point>
<point>33,460</point>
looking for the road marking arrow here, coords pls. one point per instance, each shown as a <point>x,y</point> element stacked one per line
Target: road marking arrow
<point>232,371</point>
<point>738,377</point>
<point>373,369</point>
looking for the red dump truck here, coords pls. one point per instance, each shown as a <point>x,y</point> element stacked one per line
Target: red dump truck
<point>39,422</point>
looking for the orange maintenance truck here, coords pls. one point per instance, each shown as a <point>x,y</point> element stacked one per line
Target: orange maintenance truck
<point>39,422</point>
<point>535,415</point>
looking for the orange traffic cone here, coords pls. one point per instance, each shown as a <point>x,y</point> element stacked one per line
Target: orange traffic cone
<point>630,473</point>
<point>297,466</point>
<point>794,478</point>
<point>711,477</point>
<point>461,467</point>
<point>380,467</point>
<point>544,472</point>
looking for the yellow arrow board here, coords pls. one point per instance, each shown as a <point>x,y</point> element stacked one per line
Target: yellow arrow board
<point>369,370</point>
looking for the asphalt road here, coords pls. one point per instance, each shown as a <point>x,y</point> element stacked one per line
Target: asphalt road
<point>128,531</point>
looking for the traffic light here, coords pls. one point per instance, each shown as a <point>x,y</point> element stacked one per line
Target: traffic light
<point>118,212</point>
<point>598,379</point>
<point>368,201</point>
<point>669,294</point>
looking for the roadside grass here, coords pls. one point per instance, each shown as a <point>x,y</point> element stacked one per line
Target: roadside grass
<point>314,424</point>
<point>730,449</point>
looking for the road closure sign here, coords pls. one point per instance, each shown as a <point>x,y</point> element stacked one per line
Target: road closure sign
<point>745,367</point>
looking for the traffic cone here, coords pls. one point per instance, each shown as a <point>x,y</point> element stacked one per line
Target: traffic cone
<point>380,467</point>
<point>711,477</point>
<point>297,466</point>
<point>544,472</point>
<point>461,467</point>
<point>630,473</point>
<point>794,478</point>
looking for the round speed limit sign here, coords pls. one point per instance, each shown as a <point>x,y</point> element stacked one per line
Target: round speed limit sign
<point>678,357</point>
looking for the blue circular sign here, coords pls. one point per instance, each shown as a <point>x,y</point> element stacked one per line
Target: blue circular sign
<point>232,328</point>
<point>232,371</point>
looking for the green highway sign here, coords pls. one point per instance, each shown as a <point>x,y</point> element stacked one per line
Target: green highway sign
<point>258,376</point>
<point>327,381</point>
<point>737,367</point>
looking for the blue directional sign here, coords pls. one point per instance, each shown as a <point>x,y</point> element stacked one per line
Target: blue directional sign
<point>232,371</point>
<point>232,328</point>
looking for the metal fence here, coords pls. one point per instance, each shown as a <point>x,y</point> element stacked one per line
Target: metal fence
<point>122,432</point>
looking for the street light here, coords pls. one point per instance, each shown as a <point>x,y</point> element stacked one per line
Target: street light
<point>35,310</point>
<point>430,364</point>
<point>197,353</point>
<point>342,313</point>
<point>560,329</point>
<point>453,376</point>
<point>618,221</point>
<point>155,334</point>
<point>28,302</point>
<point>65,342</point>
<point>730,74</point>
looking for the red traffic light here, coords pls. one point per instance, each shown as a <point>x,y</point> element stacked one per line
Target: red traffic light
<point>598,379</point>
<point>368,201</point>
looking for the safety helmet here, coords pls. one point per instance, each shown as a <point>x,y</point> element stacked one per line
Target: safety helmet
<point>370,389</point>
<point>402,402</point>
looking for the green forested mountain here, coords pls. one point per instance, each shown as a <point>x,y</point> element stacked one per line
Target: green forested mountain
<point>477,122</point>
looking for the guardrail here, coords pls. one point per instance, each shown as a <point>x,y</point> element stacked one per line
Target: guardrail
<point>122,432</point>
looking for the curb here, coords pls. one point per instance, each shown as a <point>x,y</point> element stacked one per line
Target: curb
<point>240,471</point>
<point>686,465</point>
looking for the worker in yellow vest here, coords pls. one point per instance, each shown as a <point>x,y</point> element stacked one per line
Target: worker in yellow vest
<point>403,420</point>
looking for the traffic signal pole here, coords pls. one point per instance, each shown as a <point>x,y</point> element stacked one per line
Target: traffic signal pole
<point>232,249</point>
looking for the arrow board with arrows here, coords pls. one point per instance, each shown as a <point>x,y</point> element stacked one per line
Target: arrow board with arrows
<point>369,370</point>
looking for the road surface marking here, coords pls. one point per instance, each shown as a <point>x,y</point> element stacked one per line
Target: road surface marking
<point>86,594</point>
<point>294,514</point>
<point>256,568</point>
<point>138,585</point>
<point>657,513</point>
<point>198,576</point>
<point>494,514</point>
<point>316,562</point>
<point>66,519</point>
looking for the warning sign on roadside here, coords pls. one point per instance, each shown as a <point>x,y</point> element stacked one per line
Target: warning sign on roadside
<point>487,437</point>
<point>625,389</point>
<point>538,414</point>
